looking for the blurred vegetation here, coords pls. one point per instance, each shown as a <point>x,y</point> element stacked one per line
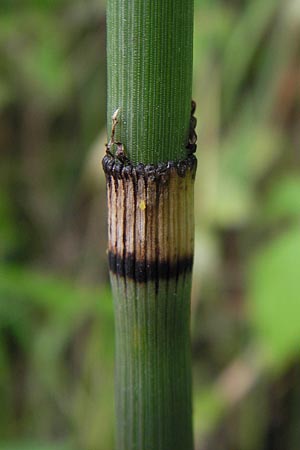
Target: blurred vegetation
<point>56,321</point>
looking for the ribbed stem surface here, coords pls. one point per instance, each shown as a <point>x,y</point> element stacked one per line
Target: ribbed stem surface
<point>150,247</point>
<point>150,220</point>
<point>149,60</point>
<point>153,391</point>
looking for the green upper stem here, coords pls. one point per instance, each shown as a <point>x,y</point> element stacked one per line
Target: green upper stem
<point>149,60</point>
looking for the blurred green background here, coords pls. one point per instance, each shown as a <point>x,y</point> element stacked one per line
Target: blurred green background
<point>56,318</point>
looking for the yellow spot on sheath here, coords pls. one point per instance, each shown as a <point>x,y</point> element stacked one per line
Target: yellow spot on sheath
<point>142,205</point>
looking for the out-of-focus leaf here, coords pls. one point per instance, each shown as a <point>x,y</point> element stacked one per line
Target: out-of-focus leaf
<point>35,48</point>
<point>44,68</point>
<point>56,295</point>
<point>282,200</point>
<point>249,152</point>
<point>274,295</point>
<point>235,203</point>
<point>24,294</point>
<point>8,228</point>
<point>243,45</point>
<point>52,319</point>
<point>212,28</point>
<point>27,445</point>
<point>5,94</point>
<point>246,156</point>
<point>13,5</point>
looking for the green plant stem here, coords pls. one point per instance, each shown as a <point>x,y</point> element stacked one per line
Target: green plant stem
<point>153,366</point>
<point>150,218</point>
<point>149,60</point>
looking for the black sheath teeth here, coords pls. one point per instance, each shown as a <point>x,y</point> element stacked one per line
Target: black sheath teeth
<point>159,172</point>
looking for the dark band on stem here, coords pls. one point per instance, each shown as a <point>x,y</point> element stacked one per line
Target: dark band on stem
<point>144,271</point>
<point>150,219</point>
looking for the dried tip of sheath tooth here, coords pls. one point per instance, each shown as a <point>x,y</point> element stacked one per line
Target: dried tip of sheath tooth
<point>159,172</point>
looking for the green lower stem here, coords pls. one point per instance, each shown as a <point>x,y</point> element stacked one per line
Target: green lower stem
<point>153,367</point>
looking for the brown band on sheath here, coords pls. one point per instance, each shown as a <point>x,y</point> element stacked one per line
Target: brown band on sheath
<point>150,219</point>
